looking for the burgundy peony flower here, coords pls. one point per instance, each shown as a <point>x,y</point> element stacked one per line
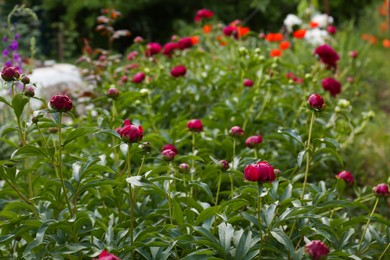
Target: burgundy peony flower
<point>331,85</point>
<point>30,92</point>
<point>253,141</point>
<point>178,71</point>
<point>223,165</point>
<point>130,133</point>
<point>184,167</point>
<point>10,73</point>
<point>346,176</point>
<point>317,250</point>
<point>316,102</point>
<point>331,30</point>
<point>104,255</point>
<point>61,103</point>
<point>353,54</point>
<point>139,77</point>
<point>185,43</point>
<point>260,172</point>
<point>112,93</point>
<point>169,48</point>
<point>381,190</point>
<point>229,30</point>
<point>25,80</point>
<point>236,131</point>
<point>202,14</point>
<point>152,48</point>
<point>170,147</point>
<point>195,125</point>
<point>327,55</point>
<point>248,83</point>
<point>168,155</point>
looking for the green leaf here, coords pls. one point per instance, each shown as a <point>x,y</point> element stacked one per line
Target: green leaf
<point>110,132</point>
<point>292,133</point>
<point>3,100</point>
<point>38,238</point>
<point>332,152</point>
<point>178,213</point>
<point>282,238</point>
<point>77,133</point>
<point>18,104</point>
<point>206,214</point>
<point>28,150</point>
<point>300,157</point>
<point>226,232</point>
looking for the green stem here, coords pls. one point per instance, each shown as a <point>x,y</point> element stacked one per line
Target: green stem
<point>368,222</point>
<point>216,200</point>
<point>42,136</point>
<point>260,189</point>
<point>142,165</point>
<point>59,164</point>
<point>256,154</point>
<point>332,212</point>
<point>192,163</point>
<point>131,197</point>
<point>169,202</point>
<point>308,154</point>
<point>384,251</point>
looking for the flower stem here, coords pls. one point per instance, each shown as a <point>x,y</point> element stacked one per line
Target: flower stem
<point>193,163</point>
<point>260,189</point>
<point>216,200</point>
<point>384,251</point>
<point>368,222</point>
<point>131,197</point>
<point>59,164</point>
<point>308,154</point>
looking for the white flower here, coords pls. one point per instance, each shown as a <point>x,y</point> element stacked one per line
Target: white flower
<point>323,20</point>
<point>316,36</point>
<point>290,21</point>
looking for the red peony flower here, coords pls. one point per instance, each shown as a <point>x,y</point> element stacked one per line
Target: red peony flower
<point>346,176</point>
<point>139,77</point>
<point>169,48</point>
<point>327,55</point>
<point>195,125</point>
<point>331,30</point>
<point>170,147</point>
<point>260,172</point>
<point>331,85</point>
<point>10,73</point>
<point>317,250</point>
<point>253,141</point>
<point>284,45</point>
<point>104,255</point>
<point>274,37</point>
<point>316,102</point>
<point>229,30</point>
<point>112,93</point>
<point>61,103</point>
<point>275,53</point>
<point>223,165</point>
<point>381,190</point>
<point>178,71</point>
<point>184,43</point>
<point>248,83</point>
<point>130,133</point>
<point>168,155</point>
<point>152,48</point>
<point>202,14</point>
<point>236,131</point>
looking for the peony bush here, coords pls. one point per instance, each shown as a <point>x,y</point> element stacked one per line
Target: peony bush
<point>222,144</point>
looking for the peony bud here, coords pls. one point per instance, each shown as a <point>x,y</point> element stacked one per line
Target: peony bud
<point>61,103</point>
<point>381,190</point>
<point>316,102</point>
<point>195,125</point>
<point>236,131</point>
<point>353,54</point>
<point>105,255</point>
<point>331,30</point>
<point>139,77</point>
<point>248,83</point>
<point>184,168</point>
<point>130,133</point>
<point>317,250</point>
<point>112,93</point>
<point>10,74</point>
<point>223,165</point>
<point>253,141</point>
<point>29,92</point>
<point>168,155</point>
<point>346,176</point>
<point>178,71</point>
<point>259,172</point>
<point>25,80</point>
<point>152,48</point>
<point>170,147</point>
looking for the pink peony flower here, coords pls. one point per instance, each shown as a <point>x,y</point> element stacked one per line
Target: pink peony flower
<point>170,147</point>
<point>152,48</point>
<point>253,141</point>
<point>104,255</point>
<point>248,83</point>
<point>130,133</point>
<point>169,48</point>
<point>236,131</point>
<point>260,172</point>
<point>346,176</point>
<point>317,250</point>
<point>168,155</point>
<point>178,71</point>
<point>331,30</point>
<point>202,14</point>
<point>316,102</point>
<point>381,190</point>
<point>139,77</point>
<point>195,125</point>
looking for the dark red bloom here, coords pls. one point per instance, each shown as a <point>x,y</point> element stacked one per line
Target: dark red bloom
<point>317,250</point>
<point>346,176</point>
<point>331,85</point>
<point>185,43</point>
<point>236,131</point>
<point>203,13</point>
<point>248,83</point>
<point>25,80</point>
<point>152,48</point>
<point>10,73</point>
<point>327,55</point>
<point>61,103</point>
<point>260,172</point>
<point>223,165</point>
<point>316,102</point>
<point>170,147</point>
<point>331,29</point>
<point>130,133</point>
<point>168,155</point>
<point>139,77</point>
<point>112,93</point>
<point>104,255</point>
<point>381,190</point>
<point>30,92</point>
<point>169,48</point>
<point>178,71</point>
<point>195,125</point>
<point>229,30</point>
<point>253,141</point>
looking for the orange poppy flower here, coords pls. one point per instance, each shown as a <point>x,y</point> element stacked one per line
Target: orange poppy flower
<point>365,36</point>
<point>386,43</point>
<point>221,42</point>
<point>372,39</point>
<point>384,26</point>
<point>275,53</point>
<point>299,34</point>
<point>284,45</point>
<point>207,28</point>
<point>313,24</point>
<point>194,40</point>
<point>274,37</point>
<point>242,31</point>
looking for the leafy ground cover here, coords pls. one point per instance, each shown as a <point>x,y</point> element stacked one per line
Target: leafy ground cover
<point>221,144</point>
